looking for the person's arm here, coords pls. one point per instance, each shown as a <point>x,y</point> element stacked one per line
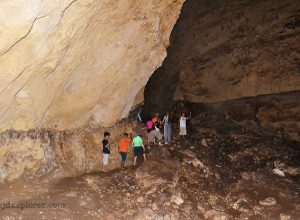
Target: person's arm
<point>190,116</point>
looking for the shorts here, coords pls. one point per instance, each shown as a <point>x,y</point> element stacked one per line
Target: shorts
<point>123,156</point>
<point>182,131</point>
<point>105,159</point>
<point>154,134</point>
<point>138,151</point>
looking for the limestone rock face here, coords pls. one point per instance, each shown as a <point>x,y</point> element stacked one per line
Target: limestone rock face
<point>35,153</point>
<point>70,63</point>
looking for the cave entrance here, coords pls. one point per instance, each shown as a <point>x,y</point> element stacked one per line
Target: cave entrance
<point>161,87</point>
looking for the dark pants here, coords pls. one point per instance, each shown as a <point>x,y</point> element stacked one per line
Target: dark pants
<point>138,151</point>
<point>123,156</point>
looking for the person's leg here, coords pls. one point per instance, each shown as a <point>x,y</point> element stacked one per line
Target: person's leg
<point>121,159</point>
<point>184,133</point>
<point>144,153</point>
<point>124,159</point>
<point>135,150</point>
<point>134,160</point>
<point>159,136</point>
<point>180,133</point>
<point>166,135</point>
<point>170,132</point>
<point>166,132</point>
<point>105,162</point>
<point>152,137</point>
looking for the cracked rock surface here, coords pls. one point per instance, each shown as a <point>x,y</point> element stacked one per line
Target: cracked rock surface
<point>61,62</point>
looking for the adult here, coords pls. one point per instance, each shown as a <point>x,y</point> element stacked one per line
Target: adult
<point>167,128</point>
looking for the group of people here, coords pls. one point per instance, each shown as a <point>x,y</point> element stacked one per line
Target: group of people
<point>153,126</point>
<point>123,147</point>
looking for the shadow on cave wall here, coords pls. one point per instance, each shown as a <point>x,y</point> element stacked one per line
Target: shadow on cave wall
<point>162,84</point>
<point>223,50</point>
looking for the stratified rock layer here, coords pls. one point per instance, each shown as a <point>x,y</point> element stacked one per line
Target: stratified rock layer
<point>36,153</point>
<point>66,64</point>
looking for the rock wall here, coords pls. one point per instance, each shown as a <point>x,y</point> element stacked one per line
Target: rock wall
<point>223,50</point>
<point>42,152</point>
<point>67,64</point>
<point>277,114</point>
<point>243,49</point>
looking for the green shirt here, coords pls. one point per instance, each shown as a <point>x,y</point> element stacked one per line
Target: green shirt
<point>137,141</point>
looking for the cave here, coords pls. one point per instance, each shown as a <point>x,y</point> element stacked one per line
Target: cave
<point>73,71</point>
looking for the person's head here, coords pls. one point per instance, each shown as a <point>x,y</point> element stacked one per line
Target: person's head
<point>149,119</point>
<point>156,114</point>
<point>182,114</point>
<point>167,113</point>
<point>125,135</point>
<point>106,135</point>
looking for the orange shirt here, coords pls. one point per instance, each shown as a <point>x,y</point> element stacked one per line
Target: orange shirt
<point>123,144</point>
<point>155,119</point>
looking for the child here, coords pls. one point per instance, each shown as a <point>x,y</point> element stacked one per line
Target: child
<point>139,148</point>
<point>123,149</point>
<point>182,123</point>
<point>105,151</point>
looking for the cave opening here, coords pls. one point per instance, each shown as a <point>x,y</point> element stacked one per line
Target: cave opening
<point>69,132</point>
<point>221,63</point>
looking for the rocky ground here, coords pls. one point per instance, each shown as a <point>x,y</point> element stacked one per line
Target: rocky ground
<point>219,172</point>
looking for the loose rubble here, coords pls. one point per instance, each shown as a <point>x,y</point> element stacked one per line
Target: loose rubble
<point>230,178</point>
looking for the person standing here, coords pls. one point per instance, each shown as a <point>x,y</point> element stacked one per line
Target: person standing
<point>167,128</point>
<point>182,124</point>
<point>105,151</point>
<point>138,148</point>
<point>123,145</point>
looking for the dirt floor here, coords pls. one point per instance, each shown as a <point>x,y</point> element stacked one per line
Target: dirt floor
<point>224,173</point>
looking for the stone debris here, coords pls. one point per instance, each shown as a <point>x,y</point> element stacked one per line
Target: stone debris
<point>278,172</point>
<point>177,199</point>
<point>269,201</point>
<point>204,143</point>
<point>216,215</point>
<point>285,216</point>
<point>182,183</point>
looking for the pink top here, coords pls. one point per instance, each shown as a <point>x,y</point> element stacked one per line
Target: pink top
<point>149,124</point>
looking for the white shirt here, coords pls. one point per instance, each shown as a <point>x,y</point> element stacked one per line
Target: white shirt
<point>166,119</point>
<point>182,122</point>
